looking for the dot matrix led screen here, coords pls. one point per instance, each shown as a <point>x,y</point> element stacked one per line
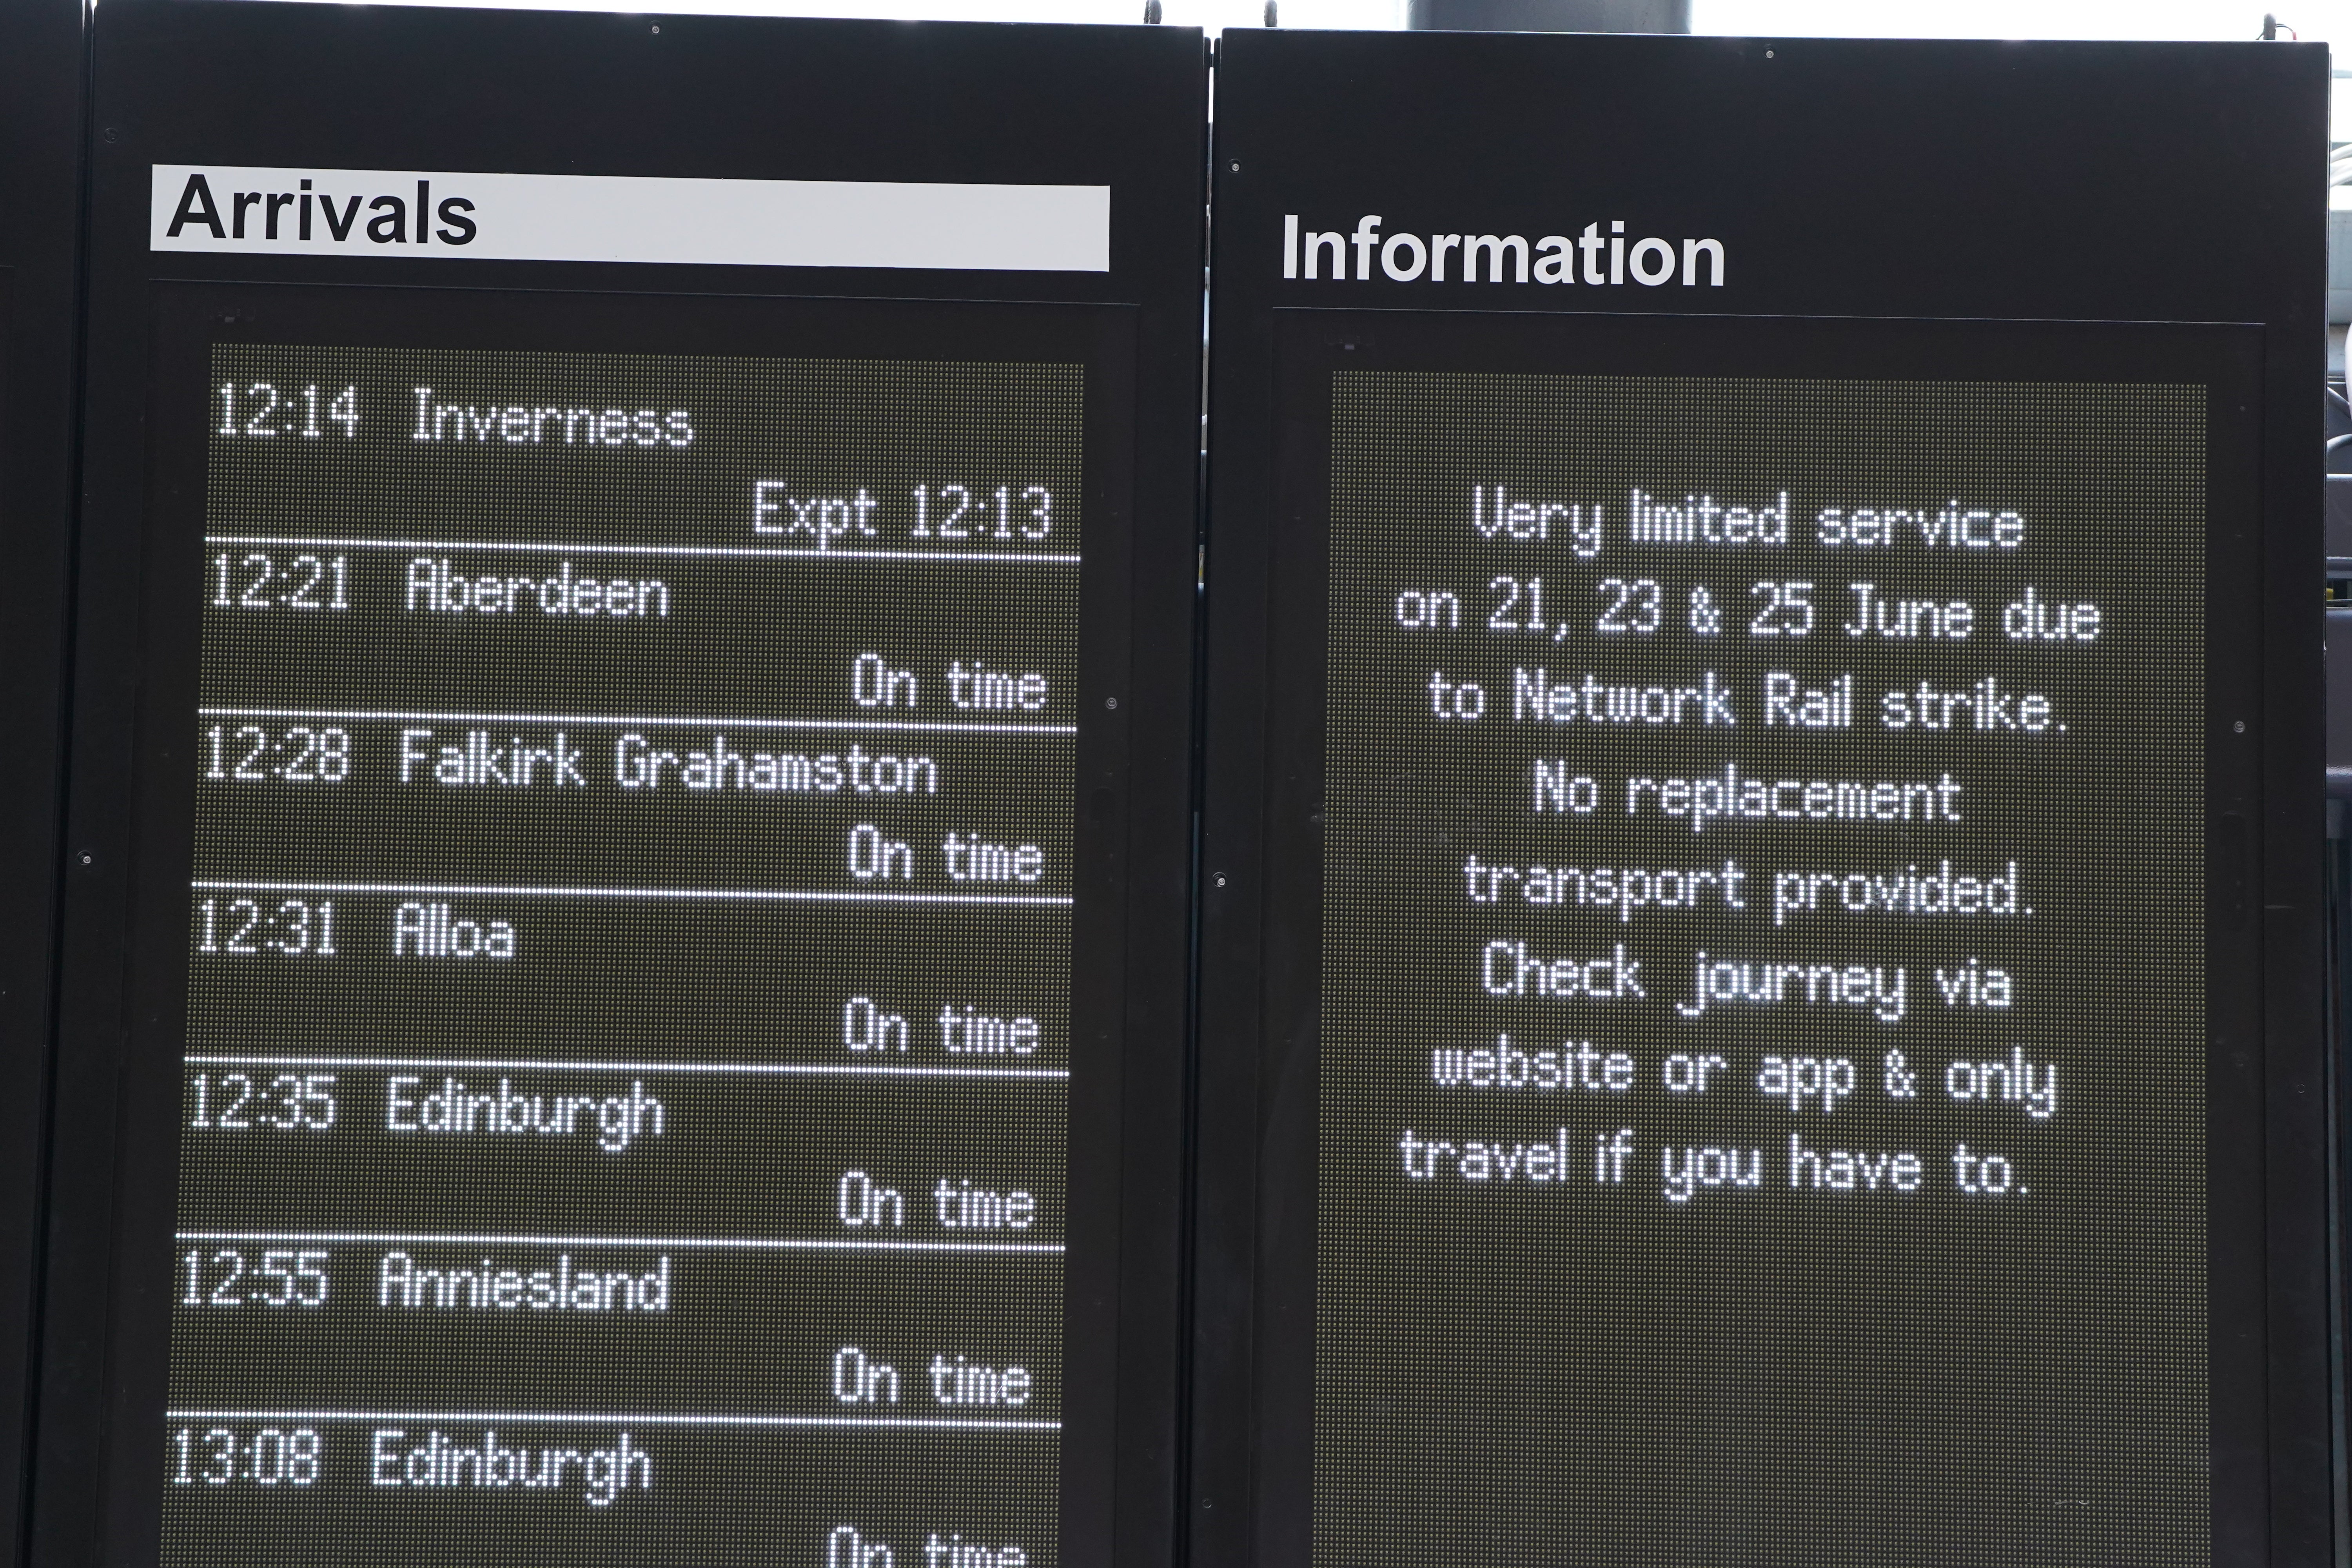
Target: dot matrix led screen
<point>625,1114</point>
<point>1762,1085</point>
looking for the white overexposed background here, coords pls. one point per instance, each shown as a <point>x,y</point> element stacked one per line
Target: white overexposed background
<point>2317,21</point>
<point>2214,21</point>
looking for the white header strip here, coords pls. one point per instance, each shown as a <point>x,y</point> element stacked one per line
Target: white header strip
<point>610,217</point>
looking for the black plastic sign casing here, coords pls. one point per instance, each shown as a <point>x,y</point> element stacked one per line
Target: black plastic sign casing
<point>321,96</point>
<point>42,70</point>
<point>1657,207</point>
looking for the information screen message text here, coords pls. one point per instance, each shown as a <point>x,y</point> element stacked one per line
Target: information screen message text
<point>1762,1089</point>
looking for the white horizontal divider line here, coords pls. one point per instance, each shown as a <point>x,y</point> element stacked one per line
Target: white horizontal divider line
<point>944,726</point>
<point>738,895</point>
<point>637,1419</point>
<point>778,552</point>
<point>676,1244</point>
<point>521,1064</point>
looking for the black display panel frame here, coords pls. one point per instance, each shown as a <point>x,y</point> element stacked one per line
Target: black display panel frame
<point>1464,132</point>
<point>42,72</point>
<point>966,104</point>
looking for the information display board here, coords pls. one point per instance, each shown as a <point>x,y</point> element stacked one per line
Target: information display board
<point>41,132</point>
<point>643,892</point>
<point>1735,824</point>
<point>1793,890</point>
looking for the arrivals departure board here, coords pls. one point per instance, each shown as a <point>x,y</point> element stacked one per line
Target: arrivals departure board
<point>623,985</point>
<point>1762,1110</point>
<point>623,997</point>
<point>626,1092</point>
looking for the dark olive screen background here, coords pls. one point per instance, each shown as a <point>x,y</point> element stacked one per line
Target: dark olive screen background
<point>1763,1111</point>
<point>627,1041</point>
